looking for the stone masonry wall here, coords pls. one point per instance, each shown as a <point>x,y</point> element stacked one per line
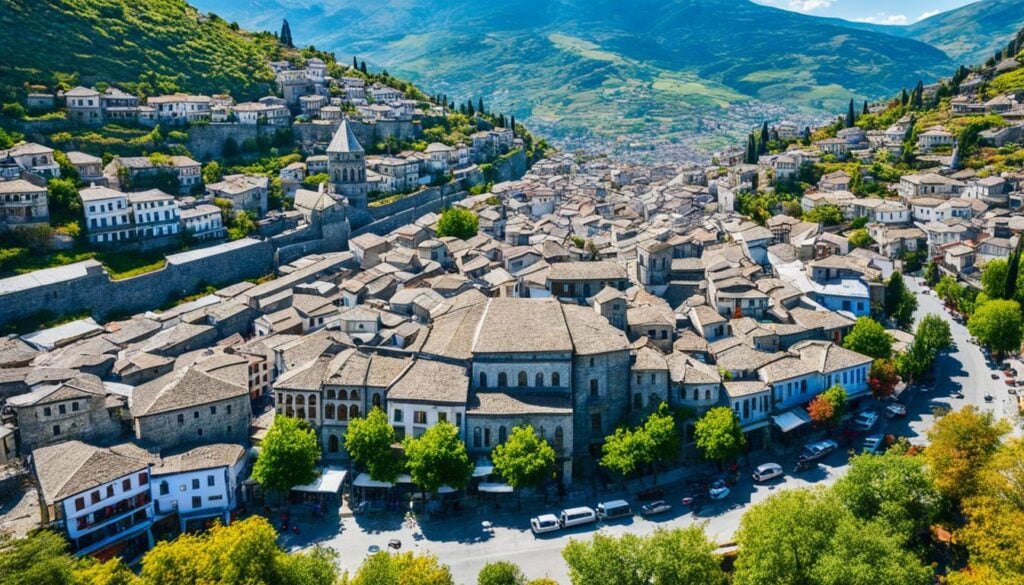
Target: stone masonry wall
<point>199,424</point>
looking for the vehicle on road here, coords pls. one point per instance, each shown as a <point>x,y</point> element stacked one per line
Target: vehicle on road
<point>577,516</point>
<point>653,508</point>
<point>995,376</point>
<point>817,450</point>
<point>866,419</point>
<point>614,509</point>
<point>718,490</point>
<point>767,471</point>
<point>873,443</point>
<point>896,409</point>
<point>544,523</point>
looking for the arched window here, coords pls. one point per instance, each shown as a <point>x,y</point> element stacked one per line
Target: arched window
<point>312,412</point>
<point>330,395</point>
<point>164,488</point>
<point>332,444</point>
<point>555,380</point>
<point>502,434</point>
<point>353,395</point>
<point>477,441</point>
<point>502,380</point>
<point>487,437</point>
<point>522,381</point>
<point>342,413</point>
<point>483,379</point>
<point>376,400</point>
<point>539,381</point>
<point>559,438</point>
<point>696,394</point>
<point>287,398</point>
<point>312,399</point>
<point>300,400</point>
<point>707,394</point>
<point>329,411</point>
<point>353,411</point>
<point>342,394</point>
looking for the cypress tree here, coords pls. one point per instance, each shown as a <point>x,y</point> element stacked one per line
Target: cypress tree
<point>919,95</point>
<point>904,98</point>
<point>850,115</point>
<point>480,105</point>
<point>765,137</point>
<point>362,67</point>
<point>355,63</point>
<point>1012,272</point>
<point>866,110</point>
<point>462,108</point>
<point>512,124</point>
<point>751,150</point>
<point>286,35</point>
<point>469,107</point>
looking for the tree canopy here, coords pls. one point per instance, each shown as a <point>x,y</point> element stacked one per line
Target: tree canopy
<point>719,436</point>
<point>457,222</point>
<point>524,459</point>
<point>900,303</point>
<point>668,557</point>
<point>824,214</point>
<point>405,568</point>
<point>869,338</point>
<point>368,442</point>
<point>288,455</point>
<point>438,457</point>
<point>500,573</point>
<point>997,324</point>
<point>960,444</point>
<point>883,378</point>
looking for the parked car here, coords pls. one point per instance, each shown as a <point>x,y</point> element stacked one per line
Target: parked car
<point>767,471</point>
<point>813,451</point>
<point>866,419</point>
<point>718,490</point>
<point>544,523</point>
<point>655,508</point>
<point>614,509</point>
<point>577,516</point>
<point>896,409</point>
<point>873,443</point>
<point>995,376</point>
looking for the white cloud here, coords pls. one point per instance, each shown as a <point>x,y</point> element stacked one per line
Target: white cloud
<point>883,18</point>
<point>809,5</point>
<point>928,14</point>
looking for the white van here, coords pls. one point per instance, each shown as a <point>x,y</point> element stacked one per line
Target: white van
<point>614,509</point>
<point>577,516</point>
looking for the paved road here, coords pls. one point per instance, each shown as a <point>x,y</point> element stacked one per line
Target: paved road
<point>466,547</point>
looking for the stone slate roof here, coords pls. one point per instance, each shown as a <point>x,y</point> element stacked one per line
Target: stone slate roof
<point>522,403</point>
<point>220,378</point>
<point>605,270</point>
<point>81,386</point>
<point>591,333</point>
<point>72,467</point>
<point>512,325</point>
<point>202,457</point>
<point>430,381</point>
<point>344,140</point>
<point>649,359</point>
<point>829,357</point>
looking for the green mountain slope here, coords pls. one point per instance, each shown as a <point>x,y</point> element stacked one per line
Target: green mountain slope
<point>973,33</point>
<point>149,45</point>
<point>648,67</point>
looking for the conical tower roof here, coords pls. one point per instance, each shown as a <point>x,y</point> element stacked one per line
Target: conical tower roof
<point>344,140</point>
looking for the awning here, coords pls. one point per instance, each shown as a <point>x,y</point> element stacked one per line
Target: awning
<point>483,468</point>
<point>791,419</point>
<point>495,488</point>
<point>446,490</point>
<point>329,482</point>
<point>364,480</point>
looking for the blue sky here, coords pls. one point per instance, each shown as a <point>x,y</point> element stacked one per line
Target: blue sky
<point>877,11</point>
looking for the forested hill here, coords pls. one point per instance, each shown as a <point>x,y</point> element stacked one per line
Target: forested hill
<point>143,46</point>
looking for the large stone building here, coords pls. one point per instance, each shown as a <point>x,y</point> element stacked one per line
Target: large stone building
<point>346,166</point>
<point>78,408</point>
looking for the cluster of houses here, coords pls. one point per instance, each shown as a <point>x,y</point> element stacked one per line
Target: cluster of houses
<point>592,294</point>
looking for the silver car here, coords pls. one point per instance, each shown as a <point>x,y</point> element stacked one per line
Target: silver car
<point>767,471</point>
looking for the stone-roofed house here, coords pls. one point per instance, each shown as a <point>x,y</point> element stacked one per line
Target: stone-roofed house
<point>582,280</point>
<point>22,204</point>
<point>426,393</point>
<point>204,403</point>
<point>79,408</point>
<point>99,499</point>
<point>199,484</point>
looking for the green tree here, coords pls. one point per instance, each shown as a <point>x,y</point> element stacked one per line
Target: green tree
<point>993,278</point>
<point>960,445</point>
<point>869,338</point>
<point>994,533</point>
<point>400,569</point>
<point>933,334</point>
<point>719,436</point>
<point>625,451</point>
<point>368,442</point>
<point>824,214</point>
<point>851,117</point>
<point>62,197</point>
<point>662,437</point>
<point>860,239</point>
<point>312,182</point>
<point>863,553</point>
<point>900,303</point>
<point>667,557</point>
<point>500,573</point>
<point>212,172</point>
<point>67,170</point>
<point>892,488</point>
<point>438,457</point>
<point>997,325</point>
<point>828,407</point>
<point>457,222</point>
<point>40,558</point>
<point>524,459</point>
<point>288,455</point>
<point>783,537</point>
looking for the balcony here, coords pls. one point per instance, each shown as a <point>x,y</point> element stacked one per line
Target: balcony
<point>114,512</point>
<point>120,528</point>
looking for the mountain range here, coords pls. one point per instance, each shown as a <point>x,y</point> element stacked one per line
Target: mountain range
<point>697,73</point>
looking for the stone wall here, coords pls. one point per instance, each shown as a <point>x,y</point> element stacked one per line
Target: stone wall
<point>85,286</point>
<point>611,370</point>
<point>206,141</point>
<point>432,201</point>
<point>315,136</point>
<point>229,424</point>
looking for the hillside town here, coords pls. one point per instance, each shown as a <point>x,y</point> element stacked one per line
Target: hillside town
<point>464,292</point>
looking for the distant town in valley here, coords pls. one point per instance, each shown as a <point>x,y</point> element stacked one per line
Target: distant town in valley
<point>274,315</point>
